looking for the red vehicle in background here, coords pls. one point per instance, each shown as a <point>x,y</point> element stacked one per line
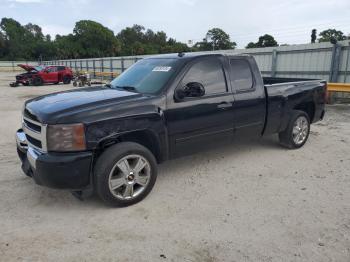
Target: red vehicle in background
<point>38,75</point>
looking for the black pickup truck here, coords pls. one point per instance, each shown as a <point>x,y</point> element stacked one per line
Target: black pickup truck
<point>109,139</point>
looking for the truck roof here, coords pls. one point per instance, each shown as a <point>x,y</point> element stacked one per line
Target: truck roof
<point>195,54</point>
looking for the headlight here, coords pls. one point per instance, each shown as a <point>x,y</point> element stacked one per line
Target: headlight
<point>66,137</point>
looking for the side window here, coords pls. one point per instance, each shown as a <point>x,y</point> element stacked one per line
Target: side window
<point>52,69</point>
<point>241,75</point>
<point>209,72</point>
<point>61,68</point>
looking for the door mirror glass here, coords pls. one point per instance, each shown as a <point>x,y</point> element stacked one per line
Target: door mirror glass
<point>192,89</point>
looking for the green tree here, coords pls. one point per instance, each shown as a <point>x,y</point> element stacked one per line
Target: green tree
<point>89,39</point>
<point>66,47</point>
<point>251,45</point>
<point>136,40</point>
<point>327,35</point>
<point>2,45</point>
<point>219,39</point>
<point>264,41</point>
<point>14,35</point>
<point>95,40</point>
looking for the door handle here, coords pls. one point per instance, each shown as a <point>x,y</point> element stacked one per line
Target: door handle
<point>224,105</point>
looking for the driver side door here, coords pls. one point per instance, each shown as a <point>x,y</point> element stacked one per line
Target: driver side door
<point>51,74</point>
<point>195,123</point>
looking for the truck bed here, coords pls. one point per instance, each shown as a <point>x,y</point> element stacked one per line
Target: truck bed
<point>286,94</point>
<point>280,80</point>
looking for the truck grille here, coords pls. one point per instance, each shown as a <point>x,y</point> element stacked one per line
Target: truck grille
<point>35,133</point>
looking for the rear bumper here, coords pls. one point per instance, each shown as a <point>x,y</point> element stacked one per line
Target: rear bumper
<point>319,114</point>
<point>55,170</point>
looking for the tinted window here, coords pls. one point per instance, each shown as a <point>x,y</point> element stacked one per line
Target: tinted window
<point>52,69</point>
<point>241,75</point>
<point>61,68</point>
<point>147,76</point>
<point>209,73</point>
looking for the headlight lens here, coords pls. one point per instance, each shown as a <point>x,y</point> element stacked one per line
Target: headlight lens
<point>66,137</point>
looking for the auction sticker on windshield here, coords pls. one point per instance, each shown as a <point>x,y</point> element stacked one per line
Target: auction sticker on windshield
<point>161,69</point>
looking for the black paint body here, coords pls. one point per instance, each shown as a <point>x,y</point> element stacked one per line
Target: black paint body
<point>173,128</point>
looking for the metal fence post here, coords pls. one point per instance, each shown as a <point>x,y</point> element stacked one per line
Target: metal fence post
<point>94,67</point>
<point>274,63</point>
<point>81,65</point>
<point>87,65</point>
<point>111,67</point>
<point>334,71</point>
<point>13,66</point>
<point>347,63</point>
<point>102,68</point>
<point>122,64</point>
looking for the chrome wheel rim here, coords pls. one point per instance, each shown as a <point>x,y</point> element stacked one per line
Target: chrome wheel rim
<point>129,177</point>
<point>300,130</point>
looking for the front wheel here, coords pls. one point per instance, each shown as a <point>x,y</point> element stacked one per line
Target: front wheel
<point>125,174</point>
<point>37,81</point>
<point>297,131</point>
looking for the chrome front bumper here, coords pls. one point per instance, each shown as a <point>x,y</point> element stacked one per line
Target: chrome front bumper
<point>22,144</point>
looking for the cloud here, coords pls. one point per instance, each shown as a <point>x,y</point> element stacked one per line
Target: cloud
<point>53,30</point>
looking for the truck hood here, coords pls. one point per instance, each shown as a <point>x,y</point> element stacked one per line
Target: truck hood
<point>49,107</point>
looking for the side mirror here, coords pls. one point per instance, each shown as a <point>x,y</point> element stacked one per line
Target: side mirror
<point>191,89</point>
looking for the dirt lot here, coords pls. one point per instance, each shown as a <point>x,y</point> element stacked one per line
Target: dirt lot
<point>252,201</point>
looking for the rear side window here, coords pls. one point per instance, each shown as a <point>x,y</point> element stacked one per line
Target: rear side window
<point>61,68</point>
<point>241,75</point>
<point>209,73</point>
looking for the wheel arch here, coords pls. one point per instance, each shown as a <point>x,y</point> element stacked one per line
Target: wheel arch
<point>144,137</point>
<point>308,107</point>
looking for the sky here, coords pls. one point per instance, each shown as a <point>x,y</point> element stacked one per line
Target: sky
<point>290,22</point>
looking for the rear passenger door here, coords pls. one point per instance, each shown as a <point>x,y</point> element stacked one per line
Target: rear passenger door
<point>195,123</point>
<point>250,103</point>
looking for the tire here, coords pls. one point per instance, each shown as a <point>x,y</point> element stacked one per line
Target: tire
<point>120,163</point>
<point>75,84</point>
<point>66,80</point>
<point>37,81</point>
<point>25,84</point>
<point>297,131</point>
<point>56,83</point>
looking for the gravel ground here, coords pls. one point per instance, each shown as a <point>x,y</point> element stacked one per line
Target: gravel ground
<point>251,201</point>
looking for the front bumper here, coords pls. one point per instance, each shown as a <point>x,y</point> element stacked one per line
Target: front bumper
<point>56,170</point>
<point>22,81</point>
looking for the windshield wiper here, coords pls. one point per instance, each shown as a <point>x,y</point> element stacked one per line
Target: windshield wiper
<point>128,88</point>
<point>108,85</point>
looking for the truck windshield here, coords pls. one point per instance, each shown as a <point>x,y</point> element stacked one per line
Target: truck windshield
<point>148,76</point>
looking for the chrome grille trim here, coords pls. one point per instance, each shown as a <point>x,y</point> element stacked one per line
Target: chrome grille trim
<point>40,136</point>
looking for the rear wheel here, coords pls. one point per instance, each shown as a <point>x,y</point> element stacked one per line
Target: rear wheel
<point>125,174</point>
<point>37,81</point>
<point>297,131</point>
<point>66,80</point>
